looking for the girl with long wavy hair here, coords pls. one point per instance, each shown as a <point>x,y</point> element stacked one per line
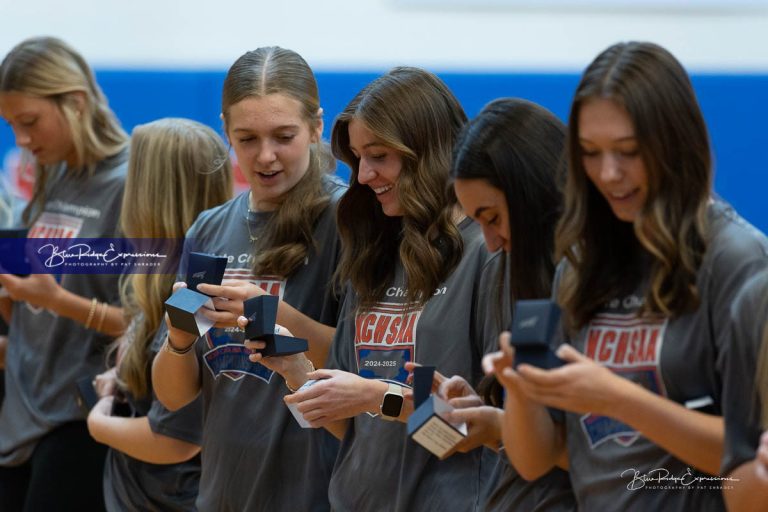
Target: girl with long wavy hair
<point>177,169</point>
<point>280,238</point>
<point>414,267</point>
<point>59,330</point>
<point>651,262</point>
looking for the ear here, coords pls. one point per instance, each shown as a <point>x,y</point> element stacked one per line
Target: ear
<point>317,134</point>
<point>78,101</point>
<point>224,128</point>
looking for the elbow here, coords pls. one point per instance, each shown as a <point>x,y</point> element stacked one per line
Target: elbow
<point>171,403</point>
<point>530,466</point>
<point>183,452</point>
<point>532,471</point>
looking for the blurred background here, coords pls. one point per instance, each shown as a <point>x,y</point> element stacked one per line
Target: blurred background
<point>157,58</point>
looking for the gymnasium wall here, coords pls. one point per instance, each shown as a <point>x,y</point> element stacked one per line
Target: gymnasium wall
<point>168,58</point>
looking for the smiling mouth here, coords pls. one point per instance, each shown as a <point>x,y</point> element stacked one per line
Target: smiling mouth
<point>382,190</point>
<point>623,196</point>
<point>267,174</point>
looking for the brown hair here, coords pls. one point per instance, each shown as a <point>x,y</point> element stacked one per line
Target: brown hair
<point>668,237</point>
<point>413,112</point>
<point>287,238</point>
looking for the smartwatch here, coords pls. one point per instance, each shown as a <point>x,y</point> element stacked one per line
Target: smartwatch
<point>392,405</point>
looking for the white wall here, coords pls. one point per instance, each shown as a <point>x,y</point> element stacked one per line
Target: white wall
<point>375,34</point>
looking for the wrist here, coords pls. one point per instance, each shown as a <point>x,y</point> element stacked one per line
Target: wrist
<point>177,350</point>
<point>296,375</point>
<point>53,301</point>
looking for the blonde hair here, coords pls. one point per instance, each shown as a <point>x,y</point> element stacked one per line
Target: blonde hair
<point>287,239</point>
<point>177,169</point>
<point>47,67</point>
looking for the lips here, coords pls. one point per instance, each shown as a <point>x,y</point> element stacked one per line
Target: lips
<point>267,175</point>
<point>622,196</point>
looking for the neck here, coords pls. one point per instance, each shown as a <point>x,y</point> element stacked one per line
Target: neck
<point>256,205</point>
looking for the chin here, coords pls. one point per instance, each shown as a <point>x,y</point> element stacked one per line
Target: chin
<point>392,210</point>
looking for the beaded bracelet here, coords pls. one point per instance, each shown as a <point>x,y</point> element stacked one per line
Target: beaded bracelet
<point>102,314</point>
<point>91,311</point>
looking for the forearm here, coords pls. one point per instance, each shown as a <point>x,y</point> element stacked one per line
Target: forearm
<point>318,335</point>
<point>749,493</point>
<point>97,316</point>
<point>3,350</point>
<point>533,442</point>
<point>175,378</point>
<point>6,307</point>
<point>691,436</point>
<point>134,437</point>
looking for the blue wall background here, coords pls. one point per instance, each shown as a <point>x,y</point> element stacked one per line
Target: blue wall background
<point>734,106</point>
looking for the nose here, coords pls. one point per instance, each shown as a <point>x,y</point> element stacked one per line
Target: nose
<point>365,172</point>
<point>22,137</point>
<point>609,168</point>
<point>493,241</point>
<point>266,154</point>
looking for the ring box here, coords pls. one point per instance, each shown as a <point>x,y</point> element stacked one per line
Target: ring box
<point>427,425</point>
<point>13,251</point>
<point>86,394</point>
<point>205,268</point>
<point>261,312</point>
<point>185,310</point>
<point>534,324</point>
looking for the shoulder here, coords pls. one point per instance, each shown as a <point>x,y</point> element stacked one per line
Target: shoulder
<point>752,300</point>
<point>335,187</point>
<point>733,243</point>
<point>114,167</point>
<point>220,215</point>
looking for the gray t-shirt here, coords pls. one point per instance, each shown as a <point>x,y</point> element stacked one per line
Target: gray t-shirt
<point>680,359</point>
<point>507,490</point>
<point>255,454</point>
<point>378,467</point>
<point>47,353</point>
<point>741,405</point>
<point>131,484</point>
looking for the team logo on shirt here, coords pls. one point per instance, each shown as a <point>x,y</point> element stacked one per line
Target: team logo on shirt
<point>631,347</point>
<point>385,339</point>
<point>226,354</point>
<point>54,225</point>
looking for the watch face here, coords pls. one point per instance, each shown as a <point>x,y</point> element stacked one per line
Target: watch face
<point>392,405</point>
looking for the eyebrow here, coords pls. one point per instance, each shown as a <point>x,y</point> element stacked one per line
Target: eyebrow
<point>368,145</point>
<point>620,139</point>
<point>276,128</point>
<point>481,210</point>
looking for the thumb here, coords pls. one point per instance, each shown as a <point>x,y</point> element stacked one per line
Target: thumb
<point>569,354</point>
